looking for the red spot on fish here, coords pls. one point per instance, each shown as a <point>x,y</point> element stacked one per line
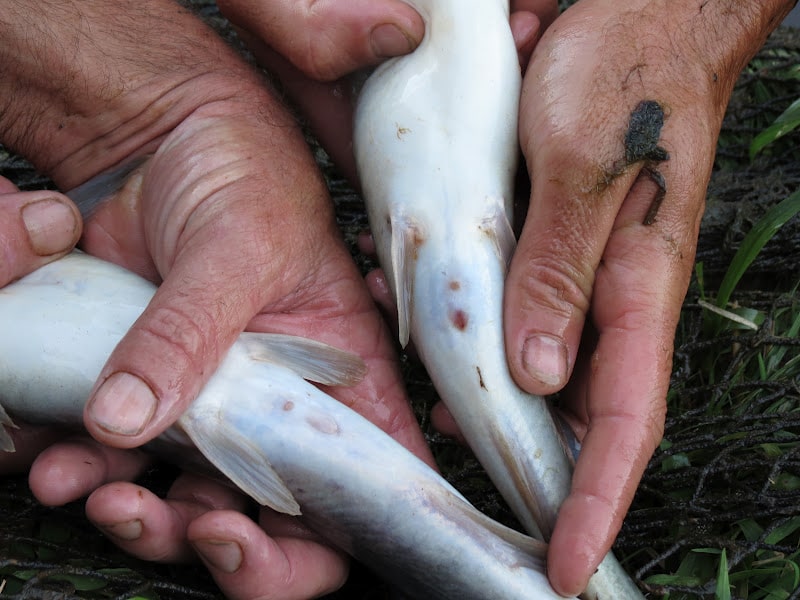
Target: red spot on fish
<point>288,405</point>
<point>459,319</point>
<point>455,286</point>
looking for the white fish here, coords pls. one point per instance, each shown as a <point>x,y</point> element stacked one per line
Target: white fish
<point>276,436</point>
<point>436,147</point>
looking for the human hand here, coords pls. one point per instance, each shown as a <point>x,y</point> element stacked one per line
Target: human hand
<point>595,287</point>
<point>232,218</point>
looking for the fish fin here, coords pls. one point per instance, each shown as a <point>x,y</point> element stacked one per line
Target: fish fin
<point>499,229</point>
<point>6,443</point>
<point>531,546</point>
<point>406,238</point>
<point>310,359</point>
<point>90,195</point>
<point>241,461</point>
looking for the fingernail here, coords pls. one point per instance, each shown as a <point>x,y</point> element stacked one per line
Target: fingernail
<point>222,555</point>
<point>123,405</point>
<point>544,357</point>
<point>128,531</point>
<point>51,225</point>
<point>389,40</point>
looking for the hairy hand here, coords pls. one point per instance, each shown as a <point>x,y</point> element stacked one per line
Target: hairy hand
<point>232,218</point>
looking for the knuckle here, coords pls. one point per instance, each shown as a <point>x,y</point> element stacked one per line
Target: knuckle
<point>552,285</point>
<point>183,335</point>
<point>318,61</point>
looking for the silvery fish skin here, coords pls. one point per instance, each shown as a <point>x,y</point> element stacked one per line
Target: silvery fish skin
<point>276,436</point>
<point>436,147</point>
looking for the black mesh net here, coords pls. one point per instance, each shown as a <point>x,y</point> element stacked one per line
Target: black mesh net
<point>726,478</point>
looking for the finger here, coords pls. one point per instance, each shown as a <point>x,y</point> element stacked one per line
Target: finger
<point>443,421</point>
<point>545,10</point>
<point>152,528</point>
<point>141,523</point>
<point>529,19</point>
<point>639,290</point>
<point>35,229</point>
<point>327,40</point>
<point>575,196</point>
<point>213,494</point>
<point>526,29</point>
<point>246,563</point>
<point>29,441</point>
<point>72,469</point>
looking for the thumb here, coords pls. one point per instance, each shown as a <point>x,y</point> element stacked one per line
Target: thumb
<point>327,40</point>
<point>36,228</point>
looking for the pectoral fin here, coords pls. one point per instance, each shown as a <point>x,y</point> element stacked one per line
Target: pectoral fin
<point>534,548</point>
<point>311,360</point>
<point>6,443</point>
<point>501,233</point>
<point>406,240</point>
<point>90,195</point>
<point>241,461</point>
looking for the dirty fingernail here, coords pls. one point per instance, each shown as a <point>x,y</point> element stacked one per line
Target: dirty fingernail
<point>123,405</point>
<point>545,359</point>
<point>222,555</point>
<point>128,531</point>
<point>51,224</point>
<point>389,40</point>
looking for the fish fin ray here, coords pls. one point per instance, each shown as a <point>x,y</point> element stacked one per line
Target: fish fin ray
<point>405,240</point>
<point>312,360</point>
<point>498,228</point>
<point>529,545</point>
<point>6,443</point>
<point>89,196</point>
<point>243,463</point>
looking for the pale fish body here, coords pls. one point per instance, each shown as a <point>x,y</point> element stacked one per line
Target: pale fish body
<point>276,436</point>
<point>436,147</point>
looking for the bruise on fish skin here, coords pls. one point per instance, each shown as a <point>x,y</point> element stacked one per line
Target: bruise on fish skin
<point>480,378</point>
<point>323,423</point>
<point>459,319</point>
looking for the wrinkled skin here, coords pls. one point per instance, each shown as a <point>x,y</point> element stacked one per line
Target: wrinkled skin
<point>231,217</point>
<point>593,294</point>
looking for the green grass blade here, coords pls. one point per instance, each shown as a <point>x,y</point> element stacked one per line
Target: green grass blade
<point>785,123</point>
<point>754,241</point>
<point>723,591</point>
